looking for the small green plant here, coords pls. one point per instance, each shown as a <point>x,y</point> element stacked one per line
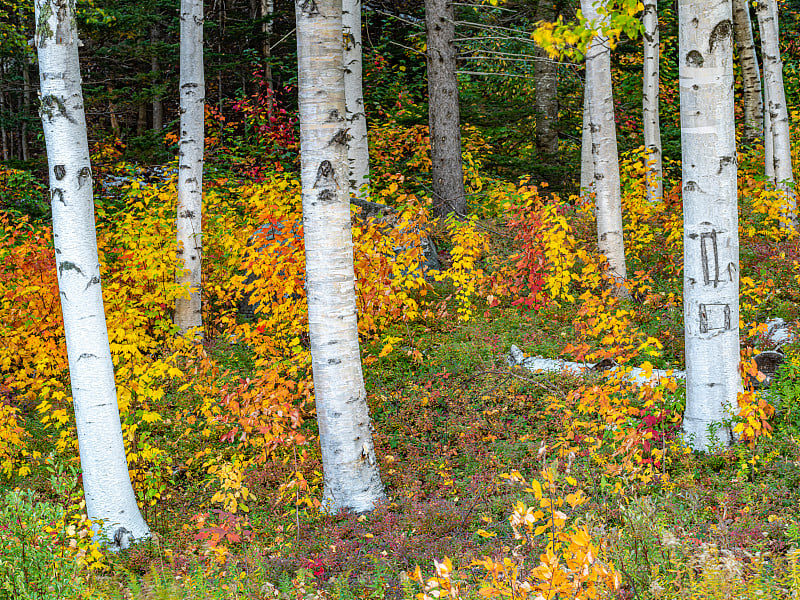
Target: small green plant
<point>35,560</point>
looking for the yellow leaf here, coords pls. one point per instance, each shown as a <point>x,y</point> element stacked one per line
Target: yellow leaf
<point>485,534</point>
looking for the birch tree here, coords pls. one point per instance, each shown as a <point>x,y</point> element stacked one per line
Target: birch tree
<point>351,477</point>
<point>107,487</point>
<point>587,162</point>
<point>188,308</point>
<point>751,75</point>
<point>444,114</point>
<point>602,127</point>
<point>711,234</point>
<point>650,97</point>
<point>358,147</point>
<point>767,13</point>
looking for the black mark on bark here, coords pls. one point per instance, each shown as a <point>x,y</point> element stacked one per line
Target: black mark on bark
<point>694,59</point>
<point>60,171</point>
<point>722,32</point>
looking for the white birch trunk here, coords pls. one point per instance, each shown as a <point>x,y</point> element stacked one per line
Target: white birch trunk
<point>587,162</point>
<point>358,146</point>
<point>188,310</point>
<point>107,487</point>
<point>351,477</point>
<point>751,75</point>
<point>711,234</point>
<point>767,12</point>
<point>650,97</point>
<point>604,149</point>
<point>769,161</point>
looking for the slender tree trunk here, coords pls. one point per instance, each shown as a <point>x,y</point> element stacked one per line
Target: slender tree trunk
<point>188,310</point>
<point>767,12</point>
<point>587,162</point>
<point>711,233</point>
<point>650,97</point>
<point>113,120</point>
<point>141,118</point>
<point>3,131</point>
<point>267,12</point>
<point>769,146</point>
<point>545,73</point>
<point>444,114</point>
<point>26,105</point>
<point>351,477</point>
<point>358,147</point>
<point>106,483</point>
<point>751,76</point>
<point>155,68</point>
<point>604,150</point>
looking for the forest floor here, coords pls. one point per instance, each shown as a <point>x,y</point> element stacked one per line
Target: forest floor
<point>499,482</point>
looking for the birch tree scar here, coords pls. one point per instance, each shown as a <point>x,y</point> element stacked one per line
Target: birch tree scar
<point>326,176</point>
<point>715,317</point>
<point>60,172</point>
<point>709,257</point>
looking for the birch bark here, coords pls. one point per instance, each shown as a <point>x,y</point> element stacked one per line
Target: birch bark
<point>751,75</point>
<point>604,149</point>
<point>711,234</point>
<point>767,13</point>
<point>587,162</point>
<point>188,309</point>
<point>107,487</point>
<point>444,113</point>
<point>358,146</point>
<point>650,97</point>
<point>351,477</point>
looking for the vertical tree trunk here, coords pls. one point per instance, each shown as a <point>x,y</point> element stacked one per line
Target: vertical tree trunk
<point>267,12</point>
<point>767,12</point>
<point>650,97</point>
<point>3,131</point>
<point>604,150</point>
<point>26,105</point>
<point>769,149</point>
<point>351,477</point>
<point>545,73</point>
<point>155,68</point>
<point>106,483</point>
<point>711,233</point>
<point>587,162</point>
<point>141,118</point>
<point>751,76</point>
<point>188,310</point>
<point>444,115</point>
<point>358,147</point>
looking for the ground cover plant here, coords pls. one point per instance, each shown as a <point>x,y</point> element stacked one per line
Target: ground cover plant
<point>500,482</point>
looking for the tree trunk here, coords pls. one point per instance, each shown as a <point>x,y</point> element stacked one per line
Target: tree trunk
<point>26,105</point>
<point>650,97</point>
<point>106,483</point>
<point>751,77</point>
<point>155,68</point>
<point>587,162</point>
<point>188,309</point>
<point>545,75</point>
<point>267,12</point>
<point>141,118</point>
<point>769,152</point>
<point>767,12</point>
<point>711,234</point>
<point>604,150</point>
<point>358,147</point>
<point>444,115</point>
<point>351,477</point>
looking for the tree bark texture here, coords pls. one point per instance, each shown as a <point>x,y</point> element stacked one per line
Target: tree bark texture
<point>604,149</point>
<point>545,73</point>
<point>711,234</point>
<point>358,146</point>
<point>351,477</point>
<point>267,12</point>
<point>751,75</point>
<point>106,483</point>
<point>444,115</point>
<point>188,310</point>
<point>767,12</point>
<point>587,162</point>
<point>650,98</point>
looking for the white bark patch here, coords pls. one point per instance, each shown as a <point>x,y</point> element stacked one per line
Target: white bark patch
<point>107,487</point>
<point>711,238</point>
<point>351,477</point>
<point>188,310</point>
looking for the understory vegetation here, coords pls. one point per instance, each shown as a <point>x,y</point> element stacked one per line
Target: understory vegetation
<point>500,482</point>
